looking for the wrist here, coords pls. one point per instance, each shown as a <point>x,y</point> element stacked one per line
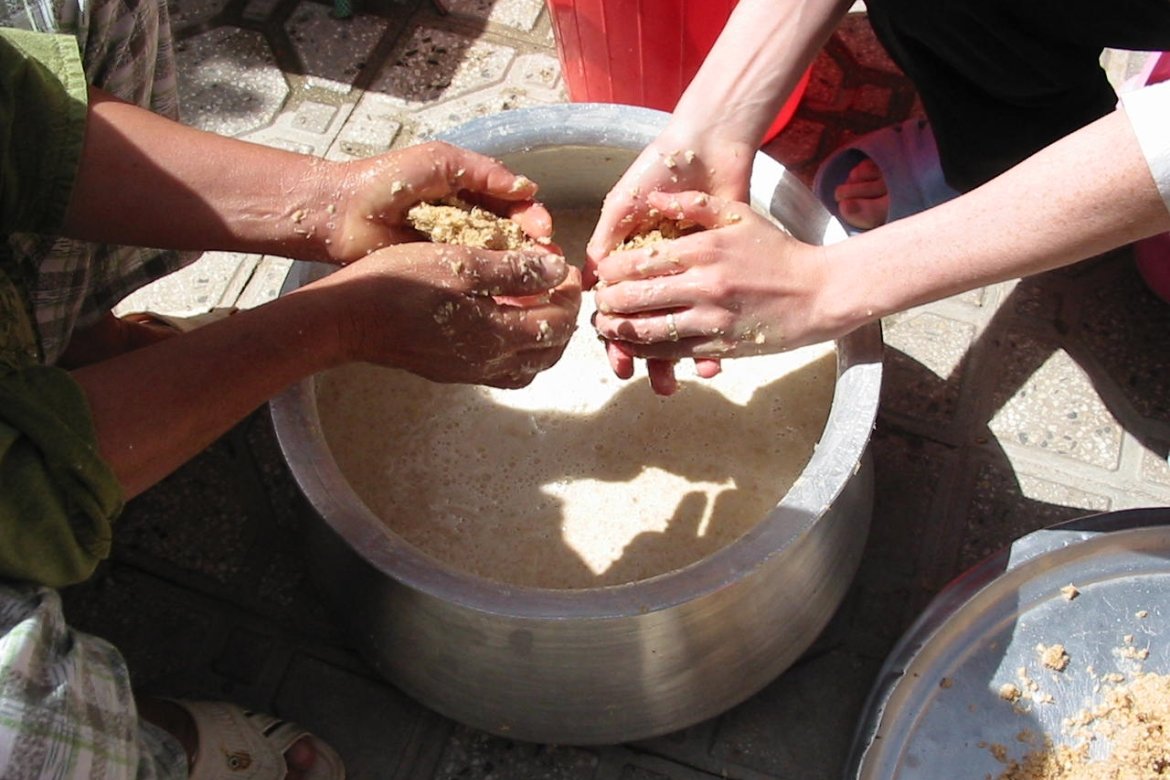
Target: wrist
<point>850,294</point>
<point>694,125</point>
<point>304,214</point>
<point>324,323</point>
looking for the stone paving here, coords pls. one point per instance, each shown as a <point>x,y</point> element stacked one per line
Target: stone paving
<point>1004,410</point>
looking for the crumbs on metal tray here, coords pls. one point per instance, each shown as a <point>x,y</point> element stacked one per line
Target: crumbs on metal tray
<point>1130,716</point>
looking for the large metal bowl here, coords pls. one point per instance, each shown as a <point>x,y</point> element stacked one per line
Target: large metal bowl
<point>607,664</point>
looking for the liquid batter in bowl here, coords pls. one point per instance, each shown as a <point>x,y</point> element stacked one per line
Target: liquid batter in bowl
<point>581,479</point>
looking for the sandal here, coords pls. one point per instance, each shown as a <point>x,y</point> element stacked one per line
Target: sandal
<point>179,324</point>
<point>908,159</point>
<point>235,743</point>
<point>113,335</point>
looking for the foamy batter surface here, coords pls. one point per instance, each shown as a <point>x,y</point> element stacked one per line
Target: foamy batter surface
<point>580,479</point>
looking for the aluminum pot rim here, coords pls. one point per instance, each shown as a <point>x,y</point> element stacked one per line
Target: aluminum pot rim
<point>836,458</point>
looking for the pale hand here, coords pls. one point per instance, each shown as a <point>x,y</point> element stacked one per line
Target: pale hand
<point>673,162</point>
<point>740,287</point>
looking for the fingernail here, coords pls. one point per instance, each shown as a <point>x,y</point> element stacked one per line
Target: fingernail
<point>554,267</point>
<point>521,182</point>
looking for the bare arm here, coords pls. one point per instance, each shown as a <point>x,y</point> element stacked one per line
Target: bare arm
<point>715,129</point>
<point>416,307</point>
<point>713,134</point>
<point>1084,195</point>
<point>745,288</point>
<point>147,181</point>
<point>754,65</point>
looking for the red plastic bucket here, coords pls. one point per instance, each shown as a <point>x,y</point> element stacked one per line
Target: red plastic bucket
<point>642,52</point>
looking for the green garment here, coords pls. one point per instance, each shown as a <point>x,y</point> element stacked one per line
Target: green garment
<point>42,126</point>
<point>57,496</point>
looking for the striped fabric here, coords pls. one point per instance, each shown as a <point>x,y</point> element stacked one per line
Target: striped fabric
<point>127,50</point>
<point>66,708</point>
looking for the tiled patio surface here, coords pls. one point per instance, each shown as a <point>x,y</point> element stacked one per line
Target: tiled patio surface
<point>1004,410</point>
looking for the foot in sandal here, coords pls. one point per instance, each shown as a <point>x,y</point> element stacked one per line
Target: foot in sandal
<point>113,335</point>
<point>863,200</point>
<point>224,741</point>
<point>883,176</point>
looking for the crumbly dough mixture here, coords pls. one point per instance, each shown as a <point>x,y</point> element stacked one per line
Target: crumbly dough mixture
<point>1131,719</point>
<point>661,229</point>
<point>580,479</point>
<point>1053,656</point>
<point>454,221</point>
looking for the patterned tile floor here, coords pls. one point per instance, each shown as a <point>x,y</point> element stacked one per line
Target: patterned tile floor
<point>1004,410</point>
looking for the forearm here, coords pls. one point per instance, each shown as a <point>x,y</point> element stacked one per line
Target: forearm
<point>1082,196</point>
<point>757,60</point>
<point>155,408</point>
<point>181,188</point>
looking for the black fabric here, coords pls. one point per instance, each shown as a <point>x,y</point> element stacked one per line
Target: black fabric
<point>1001,79</point>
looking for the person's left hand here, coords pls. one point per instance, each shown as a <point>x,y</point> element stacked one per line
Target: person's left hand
<point>681,158</point>
<point>374,195</point>
<point>740,287</point>
<point>454,313</point>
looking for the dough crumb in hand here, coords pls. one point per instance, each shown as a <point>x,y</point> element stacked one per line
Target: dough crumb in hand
<point>454,221</point>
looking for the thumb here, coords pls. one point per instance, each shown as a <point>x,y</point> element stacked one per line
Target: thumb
<point>517,272</point>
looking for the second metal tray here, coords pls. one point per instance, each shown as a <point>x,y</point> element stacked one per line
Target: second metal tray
<point>937,709</point>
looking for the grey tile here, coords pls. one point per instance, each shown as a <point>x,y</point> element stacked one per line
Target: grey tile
<point>159,630</point>
<point>213,281</point>
<point>1006,505</point>
<point>203,522</point>
<point>1155,466</point>
<point>260,10</point>
<point>433,64</point>
<point>621,763</point>
<point>925,359</point>
<point>520,14</point>
<point>333,52</point>
<point>1123,66</point>
<point>309,128</point>
<point>801,725</point>
<point>230,83</point>
<point>1124,327</point>
<point>428,123</point>
<point>472,754</point>
<point>370,723</point>
<point>1036,301</point>
<point>372,128</point>
<point>265,282</point>
<point>1045,401</point>
<point>187,14</point>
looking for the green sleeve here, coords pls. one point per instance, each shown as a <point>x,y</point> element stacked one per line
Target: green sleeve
<point>42,128</point>
<point>58,498</point>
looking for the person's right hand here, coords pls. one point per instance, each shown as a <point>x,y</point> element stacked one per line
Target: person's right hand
<point>678,160</point>
<point>455,314</point>
<point>741,286</point>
